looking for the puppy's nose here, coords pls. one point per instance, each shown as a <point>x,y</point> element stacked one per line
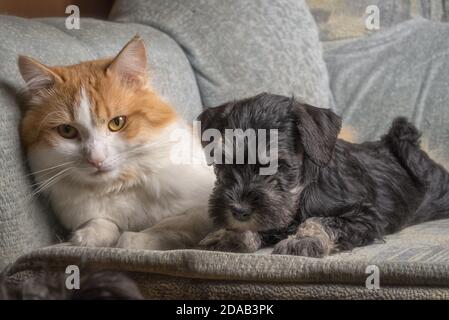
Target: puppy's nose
<point>241,213</point>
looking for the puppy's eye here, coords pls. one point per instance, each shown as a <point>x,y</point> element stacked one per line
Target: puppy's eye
<point>256,197</point>
<point>67,131</point>
<point>117,123</point>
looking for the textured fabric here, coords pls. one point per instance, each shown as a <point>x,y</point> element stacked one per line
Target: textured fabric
<point>155,286</point>
<point>159,287</point>
<point>342,19</point>
<point>241,48</point>
<point>403,71</point>
<point>415,257</point>
<point>25,223</point>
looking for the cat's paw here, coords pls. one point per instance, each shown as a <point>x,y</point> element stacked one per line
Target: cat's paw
<point>303,246</point>
<point>134,240</point>
<point>86,237</point>
<point>91,237</point>
<point>231,241</point>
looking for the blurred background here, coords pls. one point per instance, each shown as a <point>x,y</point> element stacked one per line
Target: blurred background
<point>54,8</point>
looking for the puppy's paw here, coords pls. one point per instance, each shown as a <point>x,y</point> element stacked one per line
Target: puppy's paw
<point>231,241</point>
<point>303,246</point>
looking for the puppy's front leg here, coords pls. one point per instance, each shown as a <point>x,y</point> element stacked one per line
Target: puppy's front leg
<point>319,236</point>
<point>96,233</point>
<point>232,241</point>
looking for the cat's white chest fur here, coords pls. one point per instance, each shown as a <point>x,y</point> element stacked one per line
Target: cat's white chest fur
<point>173,179</point>
<point>112,156</point>
<point>171,191</point>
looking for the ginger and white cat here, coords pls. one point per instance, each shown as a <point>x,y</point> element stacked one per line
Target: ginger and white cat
<point>99,142</point>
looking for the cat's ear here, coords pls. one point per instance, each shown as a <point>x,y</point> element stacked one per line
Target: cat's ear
<point>36,75</point>
<point>131,63</point>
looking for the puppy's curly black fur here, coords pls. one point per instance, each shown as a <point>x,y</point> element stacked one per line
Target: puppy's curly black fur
<point>327,194</point>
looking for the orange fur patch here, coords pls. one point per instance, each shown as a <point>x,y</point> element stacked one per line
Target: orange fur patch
<point>109,97</point>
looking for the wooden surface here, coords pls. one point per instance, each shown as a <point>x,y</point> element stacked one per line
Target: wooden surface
<point>55,8</point>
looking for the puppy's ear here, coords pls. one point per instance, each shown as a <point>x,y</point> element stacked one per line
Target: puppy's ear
<point>214,118</point>
<point>318,129</point>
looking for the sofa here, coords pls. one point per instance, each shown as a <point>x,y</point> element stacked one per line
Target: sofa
<point>205,52</point>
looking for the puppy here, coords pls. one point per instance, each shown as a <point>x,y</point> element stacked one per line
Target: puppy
<point>327,194</point>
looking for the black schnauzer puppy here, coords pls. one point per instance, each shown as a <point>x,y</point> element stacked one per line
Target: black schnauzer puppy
<point>327,194</point>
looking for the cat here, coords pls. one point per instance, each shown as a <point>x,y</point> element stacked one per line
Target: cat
<point>99,142</point>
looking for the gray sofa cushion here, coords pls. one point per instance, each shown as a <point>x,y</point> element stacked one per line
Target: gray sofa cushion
<point>412,264</point>
<point>25,223</point>
<point>403,71</point>
<point>344,19</point>
<point>241,48</point>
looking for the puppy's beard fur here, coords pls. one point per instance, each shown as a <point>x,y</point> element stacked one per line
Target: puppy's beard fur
<point>254,224</point>
<point>235,225</point>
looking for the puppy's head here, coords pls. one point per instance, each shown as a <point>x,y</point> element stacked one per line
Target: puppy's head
<point>295,134</point>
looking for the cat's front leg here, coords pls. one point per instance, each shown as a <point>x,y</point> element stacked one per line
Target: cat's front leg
<point>176,232</point>
<point>231,241</point>
<point>96,233</point>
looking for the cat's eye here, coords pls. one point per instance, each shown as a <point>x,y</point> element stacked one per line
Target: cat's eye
<point>117,123</point>
<point>67,131</point>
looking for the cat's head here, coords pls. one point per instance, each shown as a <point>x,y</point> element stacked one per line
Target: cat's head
<point>94,121</point>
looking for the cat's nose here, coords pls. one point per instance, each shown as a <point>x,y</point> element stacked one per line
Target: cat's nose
<point>97,163</point>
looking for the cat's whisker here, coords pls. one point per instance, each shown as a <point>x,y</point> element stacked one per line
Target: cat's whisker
<point>50,168</point>
<point>44,185</point>
<point>122,154</point>
<point>47,175</point>
<point>40,191</point>
<point>53,182</point>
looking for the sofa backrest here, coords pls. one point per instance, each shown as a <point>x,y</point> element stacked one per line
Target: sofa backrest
<point>241,48</point>
<point>345,19</point>
<point>402,71</point>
